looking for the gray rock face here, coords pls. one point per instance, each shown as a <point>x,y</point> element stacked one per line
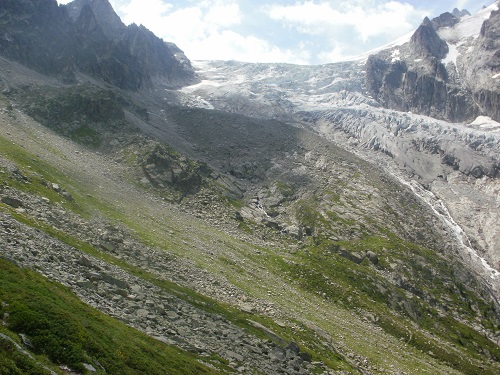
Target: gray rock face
<point>26,42</point>
<point>418,80</point>
<point>445,20</point>
<point>89,36</point>
<point>111,24</point>
<point>164,168</point>
<point>13,202</point>
<point>419,83</point>
<point>460,13</point>
<point>153,60</point>
<point>425,42</point>
<point>423,88</point>
<point>482,65</point>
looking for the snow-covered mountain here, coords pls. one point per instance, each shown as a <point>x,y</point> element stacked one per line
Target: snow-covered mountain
<point>422,106</point>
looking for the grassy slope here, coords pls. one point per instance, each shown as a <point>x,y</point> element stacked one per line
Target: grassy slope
<point>397,343</point>
<point>63,330</point>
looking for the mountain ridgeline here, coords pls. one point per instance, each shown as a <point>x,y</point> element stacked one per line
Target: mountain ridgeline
<point>62,41</point>
<point>165,216</point>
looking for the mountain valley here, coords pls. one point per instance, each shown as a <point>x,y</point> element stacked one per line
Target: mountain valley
<point>247,218</point>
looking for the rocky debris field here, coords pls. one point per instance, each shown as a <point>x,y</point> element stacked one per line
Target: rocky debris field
<point>147,307</point>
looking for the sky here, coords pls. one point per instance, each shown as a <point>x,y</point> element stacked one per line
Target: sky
<point>285,31</point>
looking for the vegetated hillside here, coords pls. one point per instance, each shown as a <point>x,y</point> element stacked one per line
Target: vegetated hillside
<point>49,319</point>
<point>257,245</point>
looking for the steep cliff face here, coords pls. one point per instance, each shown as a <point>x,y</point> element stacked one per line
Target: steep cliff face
<point>158,61</point>
<point>422,88</point>
<point>144,59</point>
<point>414,79</point>
<point>88,36</point>
<point>482,67</point>
<point>426,43</point>
<point>102,57</point>
<point>111,24</point>
<point>445,71</point>
<point>37,34</point>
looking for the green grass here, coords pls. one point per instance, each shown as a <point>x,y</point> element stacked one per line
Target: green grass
<point>13,362</point>
<point>86,136</point>
<point>66,331</point>
<point>34,174</point>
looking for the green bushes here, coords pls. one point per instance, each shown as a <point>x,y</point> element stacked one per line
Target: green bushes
<point>51,331</point>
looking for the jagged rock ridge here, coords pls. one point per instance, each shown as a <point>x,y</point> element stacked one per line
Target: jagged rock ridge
<point>62,40</point>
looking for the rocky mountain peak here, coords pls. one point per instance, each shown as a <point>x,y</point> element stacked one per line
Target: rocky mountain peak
<point>89,37</point>
<point>87,22</point>
<point>37,34</point>
<point>426,42</point>
<point>445,20</point>
<point>484,65</point>
<point>491,28</point>
<point>449,69</point>
<point>149,54</point>
<point>460,13</point>
<point>111,24</point>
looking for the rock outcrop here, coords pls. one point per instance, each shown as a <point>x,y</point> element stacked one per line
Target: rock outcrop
<point>460,13</point>
<point>426,43</point>
<point>111,24</point>
<point>166,169</point>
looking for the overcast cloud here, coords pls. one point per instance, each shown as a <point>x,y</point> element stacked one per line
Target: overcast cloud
<point>301,32</point>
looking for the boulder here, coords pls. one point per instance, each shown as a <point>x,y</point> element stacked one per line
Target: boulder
<point>293,347</point>
<point>11,201</point>
<point>372,257</point>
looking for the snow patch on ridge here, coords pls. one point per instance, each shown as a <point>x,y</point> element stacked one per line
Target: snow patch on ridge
<point>396,43</point>
<point>469,26</point>
<point>395,55</point>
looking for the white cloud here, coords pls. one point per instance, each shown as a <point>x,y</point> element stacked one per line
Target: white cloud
<point>223,15</point>
<point>392,19</point>
<point>364,19</point>
<point>335,52</point>
<point>229,45</point>
<point>205,31</point>
<point>152,15</point>
<point>305,31</point>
